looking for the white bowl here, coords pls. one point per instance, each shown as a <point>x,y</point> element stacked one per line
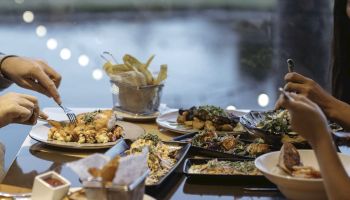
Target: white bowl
<point>42,190</point>
<point>292,187</point>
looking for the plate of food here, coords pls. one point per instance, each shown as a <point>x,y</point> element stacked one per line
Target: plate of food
<point>296,173</point>
<point>163,157</point>
<point>199,118</point>
<point>93,130</point>
<point>232,169</point>
<point>226,145</point>
<point>274,126</point>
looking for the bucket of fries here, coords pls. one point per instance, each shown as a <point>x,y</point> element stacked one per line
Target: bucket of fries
<point>115,178</point>
<point>94,189</point>
<point>133,86</point>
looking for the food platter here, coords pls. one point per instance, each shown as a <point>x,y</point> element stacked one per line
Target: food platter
<point>205,176</point>
<point>40,133</point>
<point>216,149</point>
<point>124,145</point>
<point>168,121</point>
<point>275,128</point>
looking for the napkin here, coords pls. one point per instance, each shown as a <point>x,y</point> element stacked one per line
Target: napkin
<point>131,167</point>
<point>80,167</point>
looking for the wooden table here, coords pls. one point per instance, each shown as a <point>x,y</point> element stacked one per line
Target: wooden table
<point>35,158</point>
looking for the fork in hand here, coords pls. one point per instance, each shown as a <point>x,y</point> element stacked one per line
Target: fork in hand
<point>71,116</point>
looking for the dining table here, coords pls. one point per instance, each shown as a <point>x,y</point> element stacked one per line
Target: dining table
<point>35,158</point>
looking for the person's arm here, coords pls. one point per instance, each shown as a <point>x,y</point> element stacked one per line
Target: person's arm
<point>336,180</point>
<point>32,74</point>
<point>339,112</point>
<point>333,108</point>
<point>4,83</point>
<point>308,120</point>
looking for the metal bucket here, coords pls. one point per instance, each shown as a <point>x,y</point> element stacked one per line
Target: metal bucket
<point>94,189</point>
<point>136,99</point>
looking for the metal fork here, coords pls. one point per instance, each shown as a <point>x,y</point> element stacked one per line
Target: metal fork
<point>71,116</point>
<point>285,94</point>
<point>290,63</point>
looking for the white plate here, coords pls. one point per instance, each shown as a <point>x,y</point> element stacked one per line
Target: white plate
<point>40,133</point>
<point>168,121</point>
<point>292,187</point>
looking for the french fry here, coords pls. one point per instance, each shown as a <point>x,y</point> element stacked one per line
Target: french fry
<point>133,64</point>
<point>132,61</point>
<point>148,62</point>
<point>115,69</point>
<point>162,75</point>
<point>148,76</point>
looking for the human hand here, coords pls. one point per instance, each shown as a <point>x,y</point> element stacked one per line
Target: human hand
<point>310,89</point>
<point>32,74</point>
<point>307,118</point>
<point>18,108</point>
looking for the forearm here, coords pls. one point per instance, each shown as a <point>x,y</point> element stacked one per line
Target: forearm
<point>336,180</point>
<point>339,112</point>
<point>4,82</point>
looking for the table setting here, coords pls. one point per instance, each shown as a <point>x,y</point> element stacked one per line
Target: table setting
<point>142,149</point>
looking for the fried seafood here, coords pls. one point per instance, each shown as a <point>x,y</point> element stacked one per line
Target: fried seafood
<point>107,172</point>
<point>207,117</point>
<point>289,161</point>
<point>93,127</point>
<point>161,157</point>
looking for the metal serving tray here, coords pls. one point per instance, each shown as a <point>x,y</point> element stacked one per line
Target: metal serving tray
<point>124,144</point>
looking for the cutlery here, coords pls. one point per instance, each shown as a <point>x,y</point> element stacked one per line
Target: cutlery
<point>290,63</point>
<point>285,94</point>
<point>71,116</point>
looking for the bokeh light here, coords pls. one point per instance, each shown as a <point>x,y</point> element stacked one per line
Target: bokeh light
<point>51,44</point>
<point>28,16</point>
<point>263,100</point>
<point>65,54</point>
<point>231,107</point>
<point>83,60</point>
<point>97,74</point>
<point>41,31</point>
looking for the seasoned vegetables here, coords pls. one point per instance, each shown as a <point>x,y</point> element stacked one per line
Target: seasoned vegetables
<point>276,122</point>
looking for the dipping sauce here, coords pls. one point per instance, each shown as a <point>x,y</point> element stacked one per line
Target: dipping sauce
<point>54,182</point>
